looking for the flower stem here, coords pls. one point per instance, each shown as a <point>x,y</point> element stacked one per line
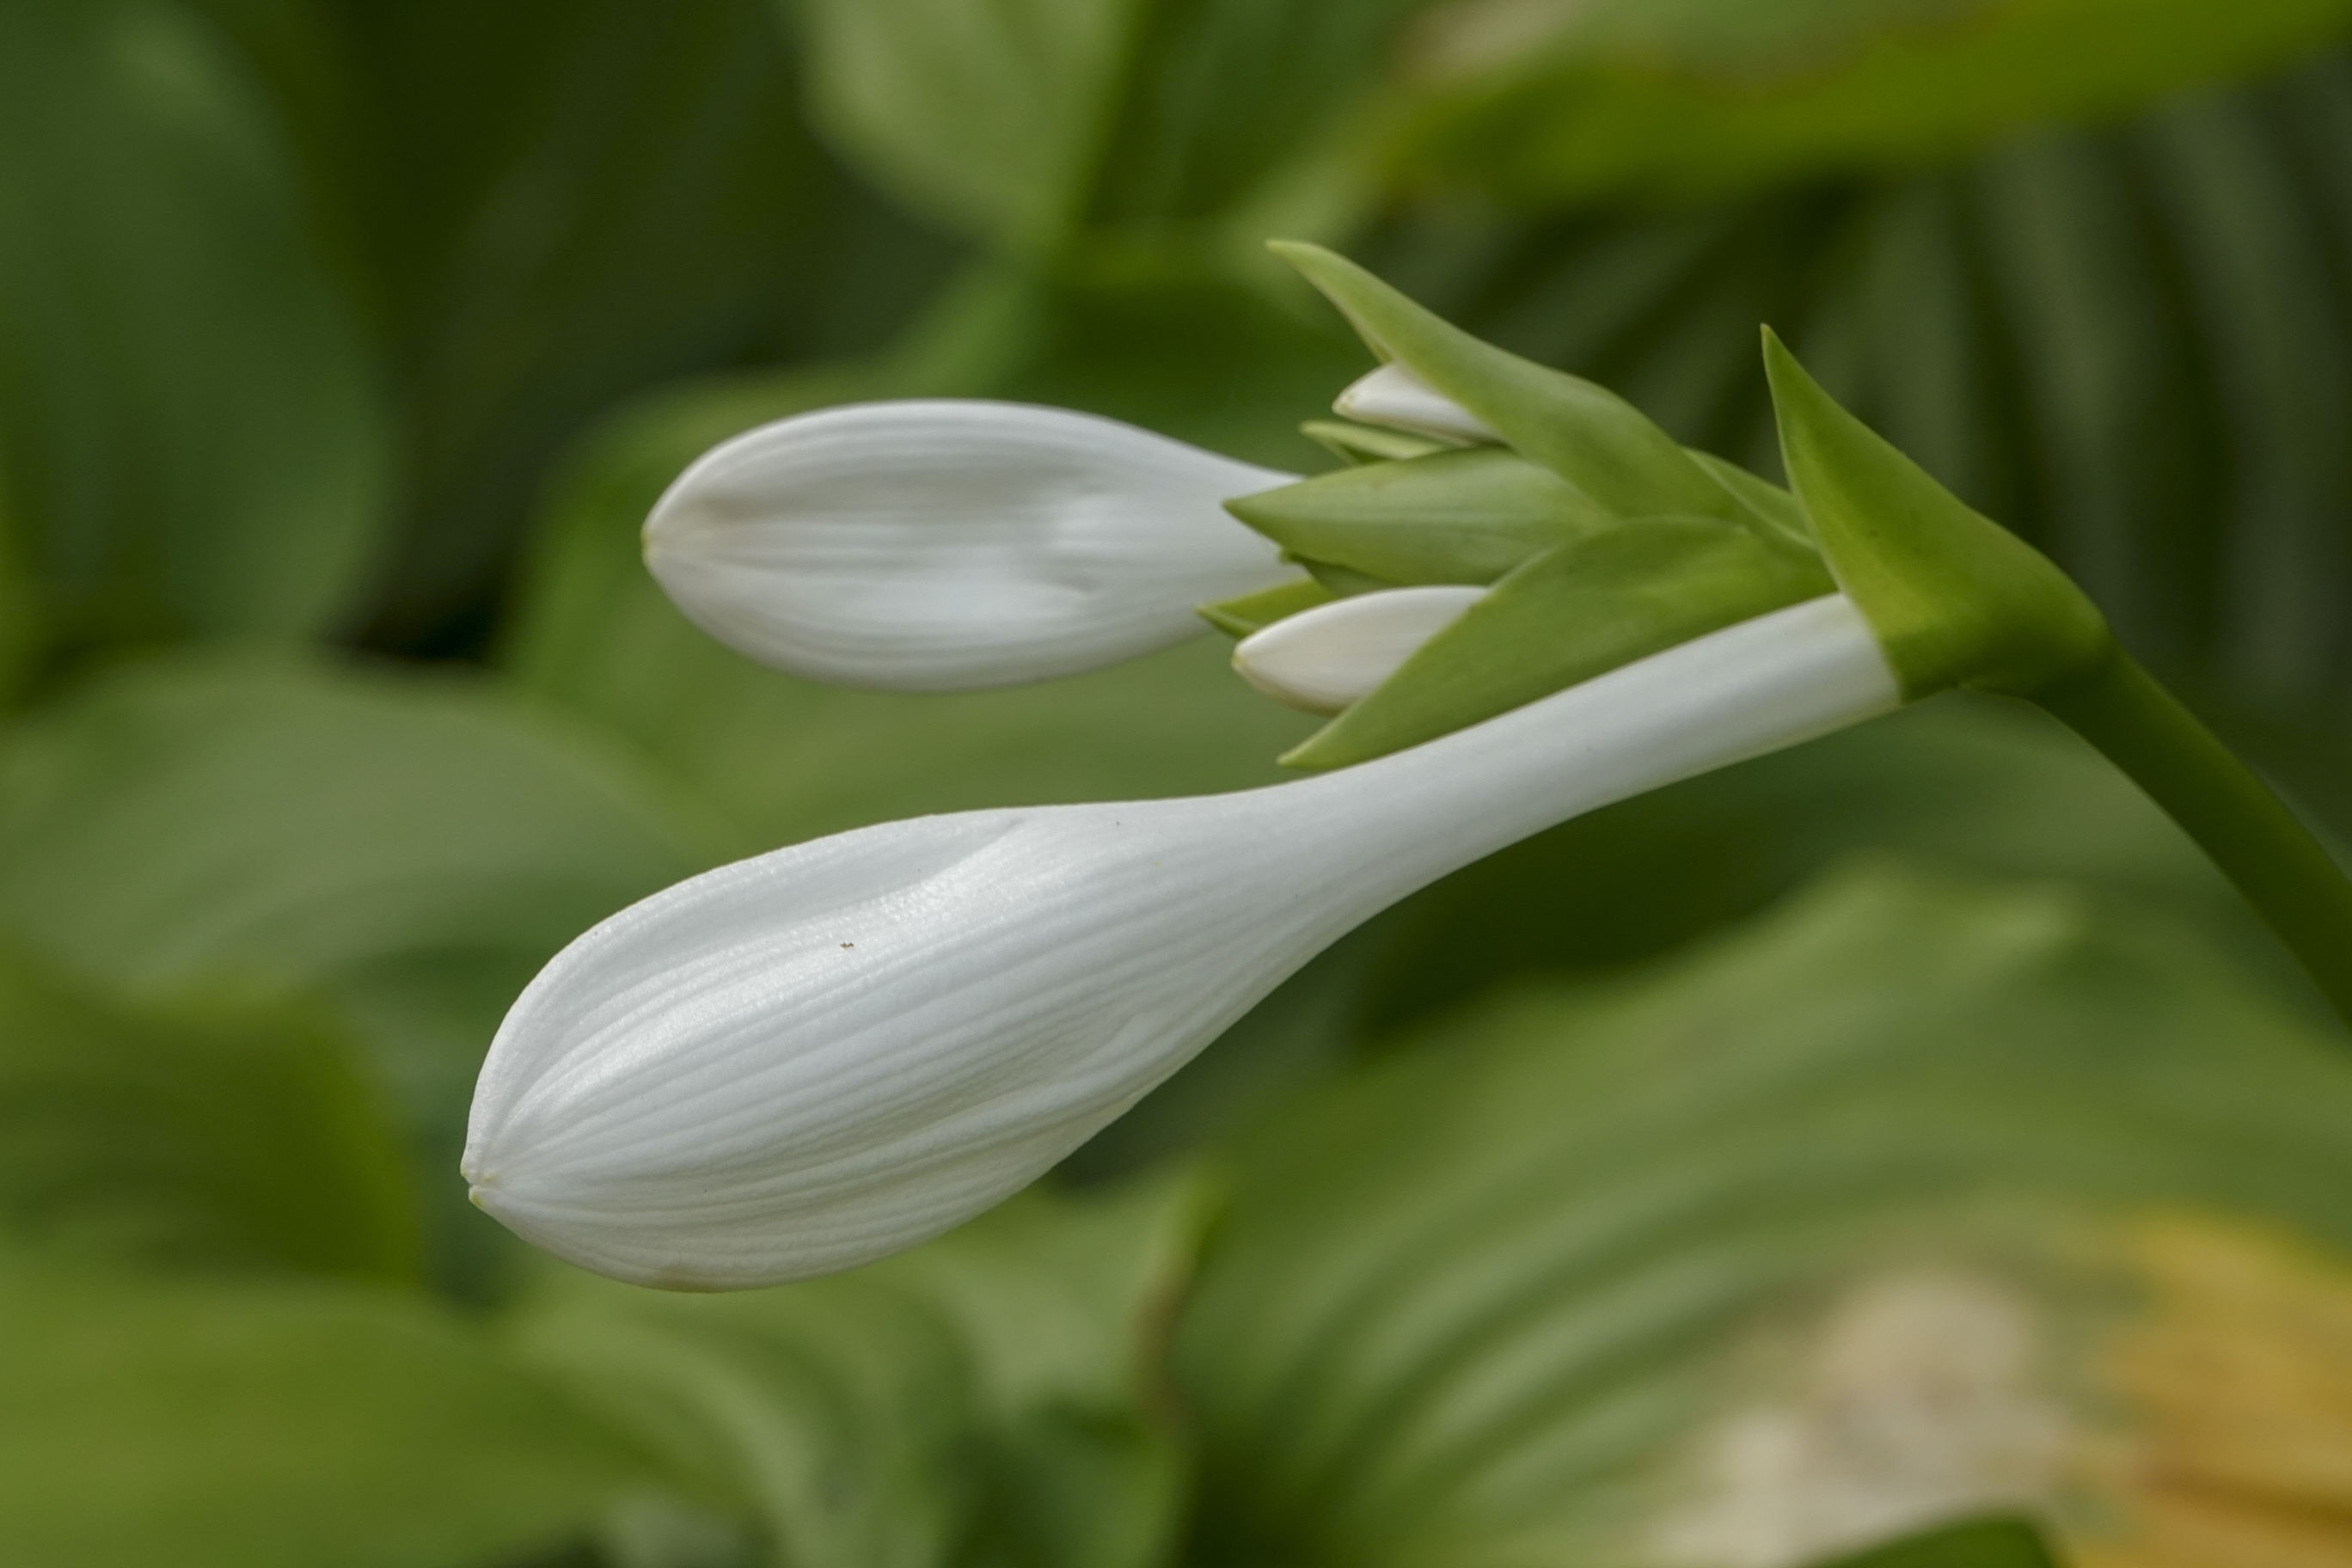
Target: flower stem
<point>2291,881</point>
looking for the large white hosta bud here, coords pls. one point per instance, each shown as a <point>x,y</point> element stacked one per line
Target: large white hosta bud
<point>804,1061</point>
<point>939,545</point>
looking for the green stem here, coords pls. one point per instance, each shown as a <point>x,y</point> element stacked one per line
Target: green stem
<point>2294,883</point>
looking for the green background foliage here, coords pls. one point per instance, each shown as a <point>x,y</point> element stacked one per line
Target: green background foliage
<point>343,346</point>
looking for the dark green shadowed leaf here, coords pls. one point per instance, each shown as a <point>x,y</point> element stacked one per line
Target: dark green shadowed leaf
<point>204,1133</point>
<point>1977,1543</point>
<point>1452,517</point>
<point>1252,612</point>
<point>1577,611</point>
<point>1529,1291</point>
<point>189,425</point>
<point>1954,598</point>
<point>1586,434</point>
<point>986,1401</point>
<point>279,1426</point>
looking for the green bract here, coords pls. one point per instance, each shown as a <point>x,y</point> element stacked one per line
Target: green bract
<point>1573,612</point>
<point>1587,434</point>
<point>1605,541</point>
<point>1956,599</point>
<point>1464,516</point>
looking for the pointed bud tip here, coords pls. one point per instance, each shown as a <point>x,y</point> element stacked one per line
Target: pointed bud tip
<point>1325,658</point>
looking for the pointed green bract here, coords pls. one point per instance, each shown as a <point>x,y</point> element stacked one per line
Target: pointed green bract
<point>1778,511</point>
<point>1576,611</point>
<point>1239,616</point>
<point>1586,434</point>
<point>1367,443</point>
<point>1956,599</point>
<point>1453,517</point>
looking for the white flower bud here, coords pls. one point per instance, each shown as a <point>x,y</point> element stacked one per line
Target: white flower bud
<point>1393,397</point>
<point>941,545</point>
<point>1324,658</point>
<point>801,1062</point>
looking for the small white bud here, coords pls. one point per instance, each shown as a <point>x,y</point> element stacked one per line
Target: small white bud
<point>804,1061</point>
<point>1394,397</point>
<point>939,545</point>
<point>1325,658</point>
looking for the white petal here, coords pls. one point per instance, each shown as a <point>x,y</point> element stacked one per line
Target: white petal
<point>1395,398</point>
<point>1324,658</point>
<point>803,1061</point>
<point>938,546</point>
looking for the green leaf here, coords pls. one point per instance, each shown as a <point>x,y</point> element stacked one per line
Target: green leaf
<point>189,426</point>
<point>1625,97</point>
<point>565,201</point>
<point>1451,517</point>
<point>199,1134</point>
<point>1977,1543</point>
<point>984,1399</point>
<point>1576,611</point>
<point>407,851</point>
<point>1250,612</point>
<point>259,1425</point>
<point>1029,122</point>
<point>1586,434</point>
<point>990,113</point>
<point>1518,1294</point>
<point>1954,598</point>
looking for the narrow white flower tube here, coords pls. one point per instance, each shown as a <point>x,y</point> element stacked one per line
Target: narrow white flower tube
<point>938,545</point>
<point>1324,658</point>
<point>1396,399</point>
<point>804,1061</point>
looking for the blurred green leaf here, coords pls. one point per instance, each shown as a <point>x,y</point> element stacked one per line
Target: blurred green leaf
<point>1978,1543</point>
<point>200,1133</point>
<point>562,201</point>
<point>1501,1301</point>
<point>990,112</point>
<point>253,1426</point>
<point>1704,95</point>
<point>408,850</point>
<point>987,1399</point>
<point>1027,121</point>
<point>189,425</point>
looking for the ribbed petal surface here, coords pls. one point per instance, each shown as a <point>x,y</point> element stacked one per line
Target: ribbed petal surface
<point>1324,658</point>
<point>804,1061</point>
<point>939,545</point>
